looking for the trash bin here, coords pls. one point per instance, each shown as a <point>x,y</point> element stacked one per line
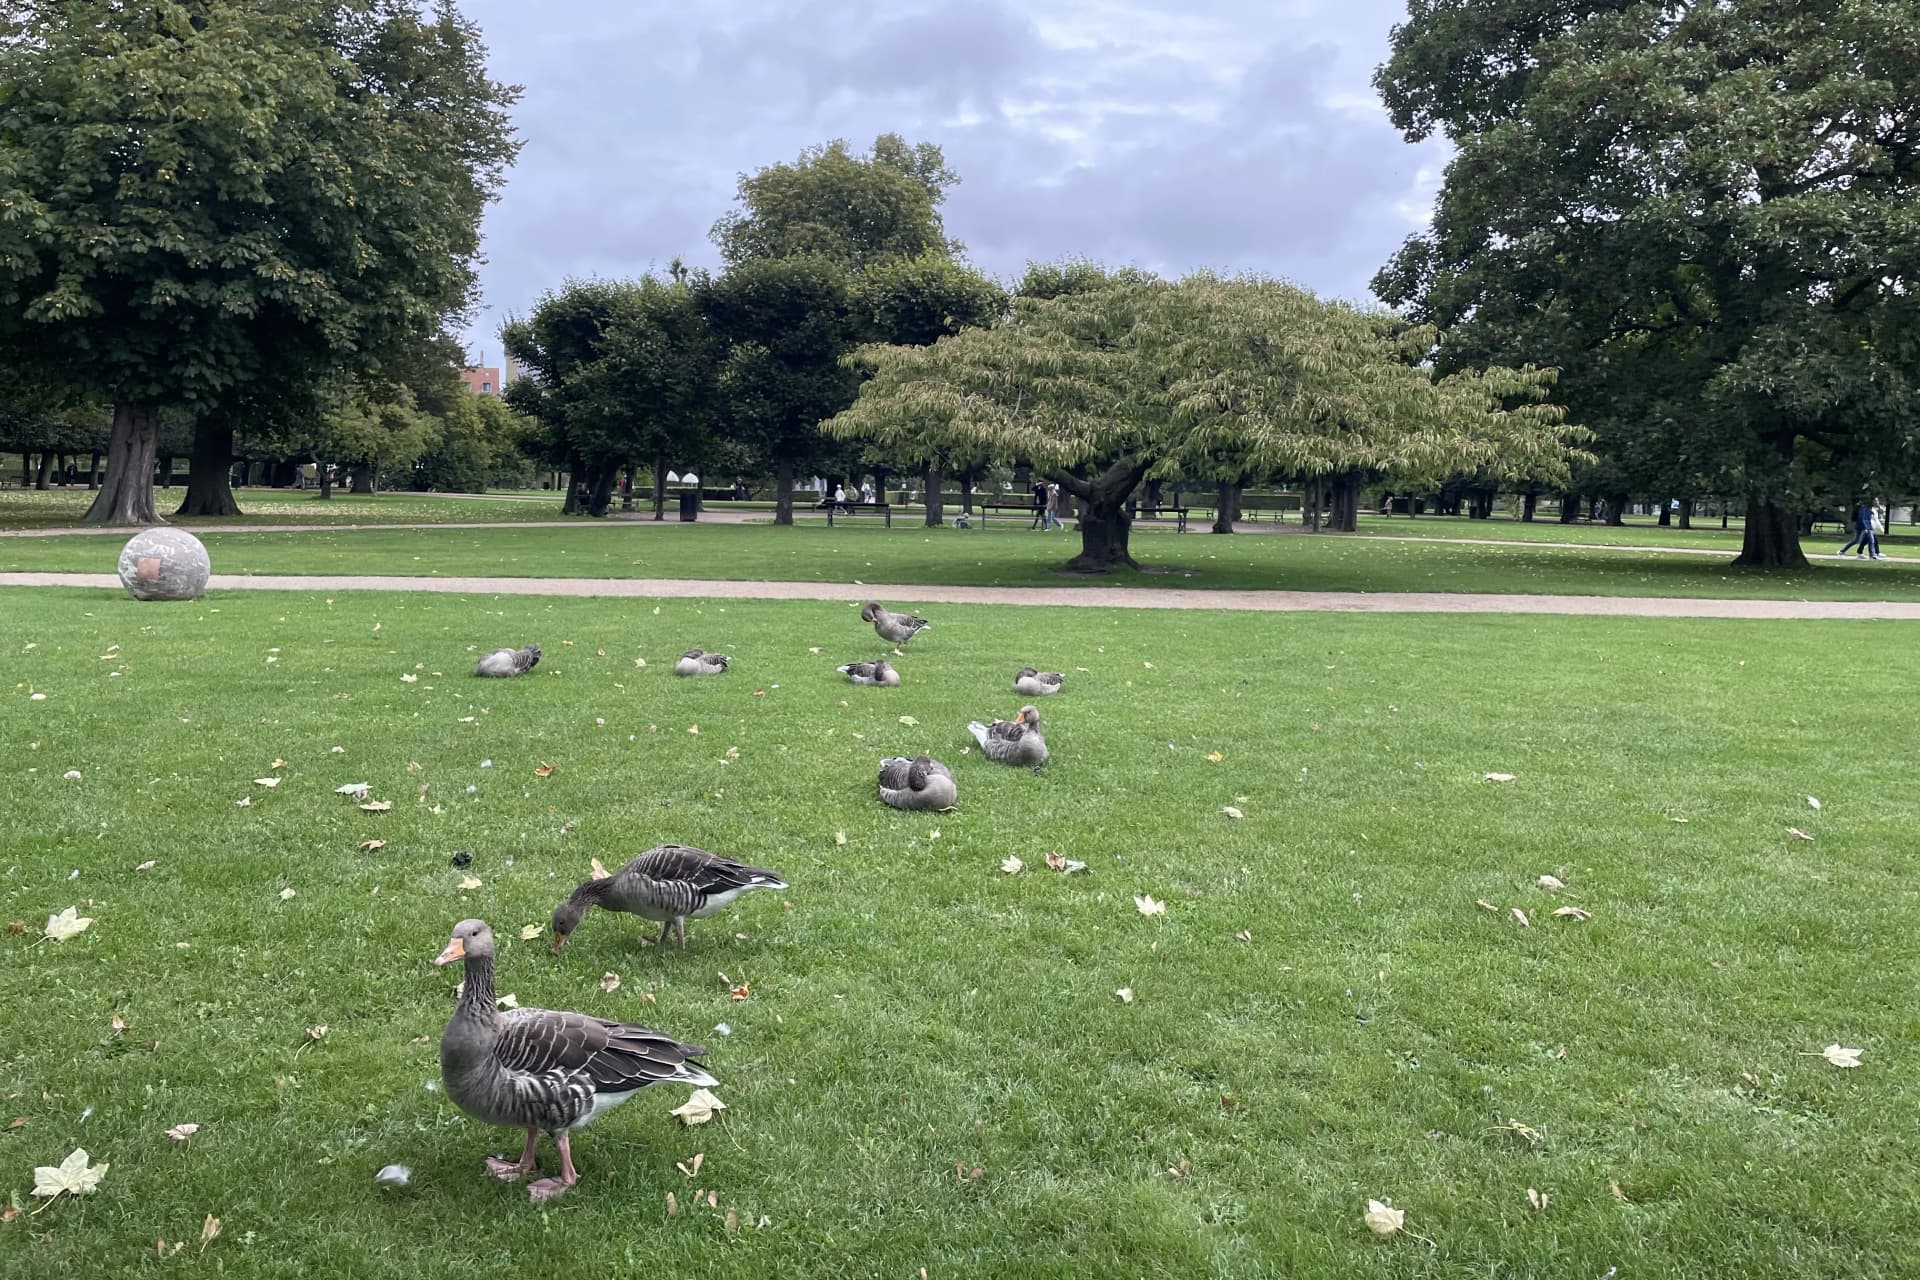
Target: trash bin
<point>689,505</point>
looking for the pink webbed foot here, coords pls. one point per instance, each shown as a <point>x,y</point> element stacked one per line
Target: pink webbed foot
<point>506,1170</point>
<point>547,1189</point>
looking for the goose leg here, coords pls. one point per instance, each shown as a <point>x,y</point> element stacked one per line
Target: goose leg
<point>511,1170</point>
<point>666,927</point>
<point>681,926</point>
<point>548,1188</point>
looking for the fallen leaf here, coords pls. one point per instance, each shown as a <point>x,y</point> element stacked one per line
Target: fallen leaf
<point>1798,834</point>
<point>1181,1170</point>
<point>1813,802</point>
<point>1244,935</point>
<point>266,782</point>
<point>208,1230</point>
<point>673,1205</point>
<point>1125,994</point>
<point>839,837</point>
<point>181,1132</point>
<point>1147,665</point>
<point>286,894</point>
<point>528,932</point>
<point>1215,756</point>
<point>66,924</point>
<point>1521,916</point>
<point>1498,777</point>
<point>1551,883</point>
<point>119,1025</point>
<point>1573,913</point>
<point>909,721</point>
<point>609,981</point>
<point>1538,1199</point>
<point>357,790</point>
<point>543,770</point>
<point>740,992</point>
<point>148,865</point>
<point>74,775</point>
<point>244,802</point>
<point>693,728</point>
<point>318,1031</point>
<point>733,1221</point>
<point>468,882</point>
<point>1383,1220</point>
<point>368,846</point>
<point>377,806</point>
<point>16,927</point>
<point>600,871</point>
<point>1012,866</point>
<point>18,1122</point>
<point>509,1001</point>
<point>1613,1185</point>
<point>1148,905</point>
<point>1841,1056</point>
<point>698,1109</point>
<point>72,1175</point>
<point>1233,813</point>
<point>1484,905</point>
<point>278,764</point>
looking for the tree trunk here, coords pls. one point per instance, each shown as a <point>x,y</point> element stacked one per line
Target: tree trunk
<point>966,492</point>
<point>1666,514</point>
<point>1226,505</point>
<point>93,471</point>
<point>660,488</point>
<point>126,495</point>
<point>934,479</point>
<point>1155,490</point>
<point>26,468</point>
<point>600,496</point>
<point>1686,513</point>
<point>45,480</point>
<point>1772,540</point>
<point>1310,505</point>
<point>1529,503</point>
<point>1104,522</point>
<point>1616,510</point>
<point>570,506</point>
<point>783,491</point>
<point>166,470</point>
<point>880,479</point>
<point>210,471</point>
<point>326,479</point>
<point>1569,508</point>
<point>1346,504</point>
<point>362,479</point>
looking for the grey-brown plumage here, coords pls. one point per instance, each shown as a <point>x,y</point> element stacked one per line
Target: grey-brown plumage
<point>698,662</point>
<point>541,1070</point>
<point>670,883</point>
<point>1015,741</point>
<point>509,662</point>
<point>880,673</point>
<point>897,627</point>
<point>919,783</point>
<point>1033,683</point>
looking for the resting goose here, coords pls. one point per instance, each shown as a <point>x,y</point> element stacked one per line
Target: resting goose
<point>1015,741</point>
<point>879,673</point>
<point>698,662</point>
<point>509,662</point>
<point>919,783</point>
<point>536,1069</point>
<point>897,627</point>
<point>670,883</point>
<point>1037,684</point>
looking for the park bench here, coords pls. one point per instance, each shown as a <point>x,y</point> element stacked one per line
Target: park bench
<point>1154,513</point>
<point>857,509</point>
<point>1020,507</point>
<point>1277,508</point>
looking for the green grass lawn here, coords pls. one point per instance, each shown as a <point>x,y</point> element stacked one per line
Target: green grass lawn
<point>32,509</point>
<point>1322,1015</point>
<point>998,556</point>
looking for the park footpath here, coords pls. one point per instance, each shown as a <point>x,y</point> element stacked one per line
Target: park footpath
<point>1089,597</point>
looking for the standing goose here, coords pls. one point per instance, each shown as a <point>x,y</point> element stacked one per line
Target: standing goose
<point>919,783</point>
<point>509,662</point>
<point>897,627</point>
<point>878,673</point>
<point>536,1069</point>
<point>670,883</point>
<point>698,662</point>
<point>1015,741</point>
<point>1037,684</point>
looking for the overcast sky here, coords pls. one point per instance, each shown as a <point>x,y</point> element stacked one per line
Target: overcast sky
<point>1233,134</point>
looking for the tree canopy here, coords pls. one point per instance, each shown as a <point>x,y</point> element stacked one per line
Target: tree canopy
<point>1105,383</point>
<point>204,195</point>
<point>1707,216</point>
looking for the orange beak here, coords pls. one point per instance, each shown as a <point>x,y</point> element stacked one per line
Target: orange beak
<point>456,950</point>
<point>559,943</point>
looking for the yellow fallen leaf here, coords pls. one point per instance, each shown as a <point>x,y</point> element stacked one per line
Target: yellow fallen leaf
<point>1148,905</point>
<point>839,837</point>
<point>278,764</point>
<point>609,982</point>
<point>1840,1056</point>
<point>1798,834</point>
<point>266,782</point>
<point>1521,916</point>
<point>1012,866</point>
<point>377,806</point>
<point>468,882</point>
<point>66,924</point>
<point>698,1109</point>
<point>1551,883</point>
<point>368,846</point>
<point>1498,777</point>
<point>209,1230</point>
<point>1383,1220</point>
<point>599,871</point>
<point>1573,913</point>
<point>1233,813</point>
<point>1215,756</point>
<point>543,770</point>
<point>909,721</point>
<point>528,932</point>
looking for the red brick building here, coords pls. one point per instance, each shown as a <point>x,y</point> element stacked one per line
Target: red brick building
<point>482,380</point>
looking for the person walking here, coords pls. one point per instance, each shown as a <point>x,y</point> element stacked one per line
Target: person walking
<point>1876,524</point>
<point>1862,532</point>
<point>1042,512</point>
<point>1060,503</point>
<point>840,497</point>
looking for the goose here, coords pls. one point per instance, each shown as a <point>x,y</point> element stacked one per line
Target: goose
<point>509,662</point>
<point>897,627</point>
<point>919,783</point>
<point>698,662</point>
<point>1037,684</point>
<point>541,1070</point>
<point>880,673</point>
<point>670,883</point>
<point>1015,741</point>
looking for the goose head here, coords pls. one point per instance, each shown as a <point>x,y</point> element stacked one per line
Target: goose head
<point>471,938</point>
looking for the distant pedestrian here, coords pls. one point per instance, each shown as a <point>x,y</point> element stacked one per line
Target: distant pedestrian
<point>866,491</point>
<point>1060,504</point>
<point>1862,523</point>
<point>1042,512</point>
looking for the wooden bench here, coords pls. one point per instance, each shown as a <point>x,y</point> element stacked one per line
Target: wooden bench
<point>857,509</point>
<point>1154,513</point>
<point>1020,507</point>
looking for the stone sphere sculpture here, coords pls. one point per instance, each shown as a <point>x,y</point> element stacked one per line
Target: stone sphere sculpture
<point>164,564</point>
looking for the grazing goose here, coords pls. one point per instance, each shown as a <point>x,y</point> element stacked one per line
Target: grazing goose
<point>536,1069</point>
<point>897,627</point>
<point>1015,741</point>
<point>919,783</point>
<point>698,662</point>
<point>671,883</point>
<point>509,662</point>
<point>1037,684</point>
<point>880,673</point>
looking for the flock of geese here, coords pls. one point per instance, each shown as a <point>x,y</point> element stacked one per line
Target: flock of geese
<point>546,1071</point>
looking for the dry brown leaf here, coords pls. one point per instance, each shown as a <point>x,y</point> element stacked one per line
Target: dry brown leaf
<point>1484,905</point>
<point>1840,1056</point>
<point>119,1025</point>
<point>1613,1185</point>
<point>209,1230</point>
<point>733,1221</point>
<point>600,871</point>
<point>1521,916</point>
<point>673,1206</point>
<point>1798,834</point>
<point>609,981</point>
<point>1551,883</point>
<point>278,764</point>
<point>1538,1199</point>
<point>1383,1220</point>
<point>839,837</point>
<point>181,1132</point>
<point>148,865</point>
<point>377,806</point>
<point>1573,913</point>
<point>740,992</point>
<point>1012,865</point>
<point>543,770</point>
<point>368,846</point>
<point>1215,756</point>
<point>699,1108</point>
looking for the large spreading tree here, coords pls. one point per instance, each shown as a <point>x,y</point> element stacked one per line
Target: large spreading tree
<point>1104,382</point>
<point>1706,215</point>
<point>211,203</point>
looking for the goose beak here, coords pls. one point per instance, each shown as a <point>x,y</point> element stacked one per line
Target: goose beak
<point>559,943</point>
<point>456,950</point>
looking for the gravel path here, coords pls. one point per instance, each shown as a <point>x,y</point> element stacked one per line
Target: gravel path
<point>1082,597</point>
